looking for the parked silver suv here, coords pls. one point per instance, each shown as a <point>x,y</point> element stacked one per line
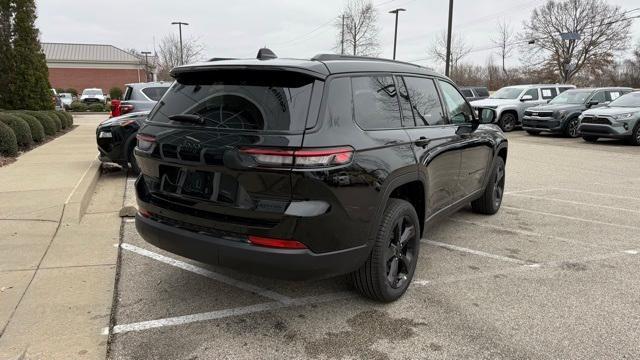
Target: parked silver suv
<point>510,102</point>
<point>142,96</point>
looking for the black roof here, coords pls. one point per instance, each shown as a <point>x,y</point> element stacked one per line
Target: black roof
<point>319,66</point>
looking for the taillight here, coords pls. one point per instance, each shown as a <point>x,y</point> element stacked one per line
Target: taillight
<point>275,243</point>
<point>301,158</point>
<point>145,142</point>
<point>126,108</point>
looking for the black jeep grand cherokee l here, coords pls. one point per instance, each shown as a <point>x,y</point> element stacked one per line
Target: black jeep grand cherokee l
<point>312,168</point>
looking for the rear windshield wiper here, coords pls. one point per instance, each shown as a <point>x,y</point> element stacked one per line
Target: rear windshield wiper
<point>191,118</point>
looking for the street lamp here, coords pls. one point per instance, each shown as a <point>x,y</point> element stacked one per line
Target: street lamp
<point>395,35</point>
<point>179,23</point>
<point>448,56</point>
<point>146,63</point>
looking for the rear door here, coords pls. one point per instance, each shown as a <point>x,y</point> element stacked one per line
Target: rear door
<point>435,142</point>
<point>229,165</point>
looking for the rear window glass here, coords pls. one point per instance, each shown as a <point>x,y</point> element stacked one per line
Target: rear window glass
<point>155,93</point>
<point>548,93</point>
<point>239,100</point>
<point>482,91</point>
<point>376,103</point>
<point>466,93</point>
<point>127,93</point>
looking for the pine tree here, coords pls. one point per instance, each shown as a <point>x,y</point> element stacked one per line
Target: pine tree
<point>31,86</point>
<point>6,54</point>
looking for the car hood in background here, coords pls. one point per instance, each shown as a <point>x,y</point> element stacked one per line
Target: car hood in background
<point>611,111</point>
<point>494,102</point>
<point>114,120</point>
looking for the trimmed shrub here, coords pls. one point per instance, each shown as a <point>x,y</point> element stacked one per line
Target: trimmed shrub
<point>69,118</point>
<point>56,119</point>
<point>20,128</point>
<point>47,122</point>
<point>72,91</point>
<point>96,107</point>
<point>115,93</point>
<point>37,130</point>
<point>8,142</point>
<point>78,106</point>
<point>63,119</point>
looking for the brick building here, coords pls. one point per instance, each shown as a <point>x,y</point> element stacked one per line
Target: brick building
<point>82,66</point>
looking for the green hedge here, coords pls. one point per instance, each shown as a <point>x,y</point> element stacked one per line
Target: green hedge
<point>54,117</point>
<point>97,107</point>
<point>69,118</point>
<point>63,119</point>
<point>8,142</point>
<point>20,128</point>
<point>37,130</point>
<point>78,106</point>
<point>47,122</point>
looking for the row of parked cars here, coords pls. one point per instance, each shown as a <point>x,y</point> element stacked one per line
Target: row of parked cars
<point>593,113</point>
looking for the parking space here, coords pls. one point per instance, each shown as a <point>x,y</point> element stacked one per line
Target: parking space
<point>552,275</point>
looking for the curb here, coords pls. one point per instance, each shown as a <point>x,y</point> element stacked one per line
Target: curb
<point>77,202</point>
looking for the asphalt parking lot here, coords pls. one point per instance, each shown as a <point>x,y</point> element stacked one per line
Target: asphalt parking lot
<point>553,275</point>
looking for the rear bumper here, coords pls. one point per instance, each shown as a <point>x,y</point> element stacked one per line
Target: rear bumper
<point>542,124</point>
<point>238,254</point>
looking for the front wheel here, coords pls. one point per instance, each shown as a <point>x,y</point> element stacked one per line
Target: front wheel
<point>571,130</point>
<point>590,139</point>
<point>388,271</point>
<point>508,122</point>
<point>133,163</point>
<point>635,137</point>
<point>533,132</point>
<point>491,199</point>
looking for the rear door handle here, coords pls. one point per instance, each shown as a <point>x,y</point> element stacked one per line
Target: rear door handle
<point>422,142</point>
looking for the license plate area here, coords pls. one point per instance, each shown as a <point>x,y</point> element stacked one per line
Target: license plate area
<point>204,185</point>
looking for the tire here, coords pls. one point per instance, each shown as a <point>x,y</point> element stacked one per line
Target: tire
<point>571,129</point>
<point>590,139</point>
<point>388,271</point>
<point>533,132</point>
<point>635,136</point>
<point>491,199</point>
<point>508,122</point>
<point>133,163</point>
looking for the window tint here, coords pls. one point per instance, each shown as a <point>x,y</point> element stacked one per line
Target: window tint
<point>255,101</point>
<point>155,93</point>
<point>563,89</point>
<point>533,93</point>
<point>599,97</point>
<point>405,104</point>
<point>459,110</point>
<point>339,102</point>
<point>425,101</point>
<point>481,91</point>
<point>375,102</point>
<point>612,95</point>
<point>466,93</point>
<point>548,93</point>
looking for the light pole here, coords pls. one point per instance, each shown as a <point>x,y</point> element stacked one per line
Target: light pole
<point>146,63</point>
<point>395,35</point>
<point>448,57</point>
<point>179,23</point>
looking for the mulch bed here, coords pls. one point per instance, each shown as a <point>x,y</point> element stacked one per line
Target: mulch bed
<point>6,160</point>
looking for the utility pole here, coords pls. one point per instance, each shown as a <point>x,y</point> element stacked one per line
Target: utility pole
<point>180,30</point>
<point>395,34</point>
<point>448,57</point>
<point>146,63</point>
<point>342,37</point>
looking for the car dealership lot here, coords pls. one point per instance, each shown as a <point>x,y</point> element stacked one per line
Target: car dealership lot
<point>552,275</point>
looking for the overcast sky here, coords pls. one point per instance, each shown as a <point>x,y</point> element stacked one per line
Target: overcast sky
<point>291,28</point>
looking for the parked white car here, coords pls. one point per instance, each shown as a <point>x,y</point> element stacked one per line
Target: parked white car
<point>93,96</point>
<point>67,99</point>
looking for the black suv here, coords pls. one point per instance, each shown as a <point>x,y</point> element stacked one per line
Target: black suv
<point>304,169</point>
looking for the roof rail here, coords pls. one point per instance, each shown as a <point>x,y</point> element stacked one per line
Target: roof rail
<point>328,57</point>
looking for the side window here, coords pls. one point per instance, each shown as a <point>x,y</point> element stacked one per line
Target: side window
<point>459,110</point>
<point>612,95</point>
<point>405,104</point>
<point>375,102</point>
<point>466,93</point>
<point>127,93</point>
<point>563,89</point>
<point>425,101</point>
<point>339,108</point>
<point>548,93</point>
<point>599,97</point>
<point>481,91</point>
<point>155,93</point>
<point>533,93</point>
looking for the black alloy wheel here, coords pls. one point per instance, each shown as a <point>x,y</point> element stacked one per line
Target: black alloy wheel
<point>508,122</point>
<point>400,252</point>
<point>572,128</point>
<point>491,200</point>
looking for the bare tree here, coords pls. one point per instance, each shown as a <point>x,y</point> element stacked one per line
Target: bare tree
<point>169,53</point>
<point>360,29</point>
<point>459,49</point>
<point>504,41</point>
<point>603,29</point>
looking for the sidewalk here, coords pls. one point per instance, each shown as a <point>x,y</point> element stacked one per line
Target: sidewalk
<point>57,267</point>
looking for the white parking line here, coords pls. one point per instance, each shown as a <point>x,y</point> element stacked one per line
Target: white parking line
<point>598,193</point>
<point>572,218</point>
<point>475,252</point>
<point>578,203</point>
<point>210,274</point>
<point>219,314</point>
<point>532,233</point>
<point>129,219</point>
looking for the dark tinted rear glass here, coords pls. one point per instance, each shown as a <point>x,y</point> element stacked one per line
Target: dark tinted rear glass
<point>466,93</point>
<point>155,93</point>
<point>240,100</point>
<point>482,91</point>
<point>375,102</point>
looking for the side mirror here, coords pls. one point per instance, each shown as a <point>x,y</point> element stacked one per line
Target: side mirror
<point>526,98</point>
<point>486,115</point>
<point>592,103</point>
